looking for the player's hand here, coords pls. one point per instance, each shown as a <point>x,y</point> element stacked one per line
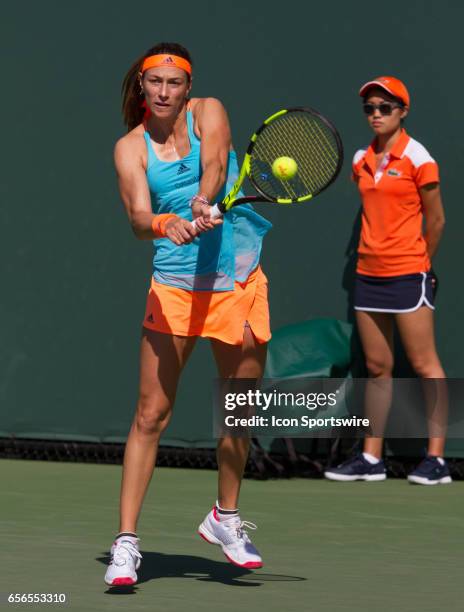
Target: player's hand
<point>201,213</point>
<point>180,231</point>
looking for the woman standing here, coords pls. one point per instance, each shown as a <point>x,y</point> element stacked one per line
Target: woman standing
<point>174,162</point>
<point>399,185</point>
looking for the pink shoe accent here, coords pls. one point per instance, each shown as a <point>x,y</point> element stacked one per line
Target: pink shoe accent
<point>204,538</point>
<point>123,581</point>
<point>215,514</point>
<point>247,565</point>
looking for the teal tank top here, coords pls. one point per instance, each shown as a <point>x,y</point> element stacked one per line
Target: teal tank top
<point>217,258</point>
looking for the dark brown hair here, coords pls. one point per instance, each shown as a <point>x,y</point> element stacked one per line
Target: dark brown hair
<point>132,97</point>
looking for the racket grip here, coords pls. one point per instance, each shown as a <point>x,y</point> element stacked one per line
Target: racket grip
<point>215,212</point>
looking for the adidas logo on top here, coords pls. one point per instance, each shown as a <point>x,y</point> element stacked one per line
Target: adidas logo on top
<point>168,60</point>
<point>182,168</point>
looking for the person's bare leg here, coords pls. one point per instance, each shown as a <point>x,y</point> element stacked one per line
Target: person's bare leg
<point>418,338</point>
<point>376,334</point>
<point>162,358</point>
<point>245,361</point>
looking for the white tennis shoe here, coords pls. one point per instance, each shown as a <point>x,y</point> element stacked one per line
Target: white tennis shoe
<point>232,537</point>
<point>125,560</point>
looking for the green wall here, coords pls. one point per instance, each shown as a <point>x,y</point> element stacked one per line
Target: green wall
<point>75,279</point>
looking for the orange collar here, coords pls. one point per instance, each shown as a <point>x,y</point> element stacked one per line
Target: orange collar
<point>396,151</point>
<point>398,148</point>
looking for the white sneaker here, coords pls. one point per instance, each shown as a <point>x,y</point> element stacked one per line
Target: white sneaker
<point>232,537</point>
<point>125,559</point>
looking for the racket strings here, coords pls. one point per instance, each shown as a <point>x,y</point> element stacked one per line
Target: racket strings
<point>273,150</point>
<point>308,140</point>
<point>316,168</point>
<point>314,149</point>
<point>315,138</point>
<point>329,160</point>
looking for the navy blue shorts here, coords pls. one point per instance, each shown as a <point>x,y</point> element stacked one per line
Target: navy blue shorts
<point>393,293</point>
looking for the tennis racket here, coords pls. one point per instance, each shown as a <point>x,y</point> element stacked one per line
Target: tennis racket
<point>301,135</point>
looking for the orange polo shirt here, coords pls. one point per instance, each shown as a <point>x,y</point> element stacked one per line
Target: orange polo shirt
<point>392,242</point>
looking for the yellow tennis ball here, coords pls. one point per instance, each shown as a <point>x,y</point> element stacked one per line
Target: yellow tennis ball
<point>284,168</point>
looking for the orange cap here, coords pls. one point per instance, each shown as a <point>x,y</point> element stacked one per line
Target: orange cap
<point>390,84</point>
<point>166,59</point>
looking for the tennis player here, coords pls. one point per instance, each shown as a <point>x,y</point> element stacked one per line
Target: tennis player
<point>398,182</point>
<point>174,163</point>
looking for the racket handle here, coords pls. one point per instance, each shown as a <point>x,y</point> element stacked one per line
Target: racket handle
<point>215,212</point>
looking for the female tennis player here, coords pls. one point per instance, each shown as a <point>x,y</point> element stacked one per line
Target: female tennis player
<point>176,161</point>
<point>399,185</point>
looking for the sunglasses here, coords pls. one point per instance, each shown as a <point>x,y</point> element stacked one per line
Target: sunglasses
<point>385,108</point>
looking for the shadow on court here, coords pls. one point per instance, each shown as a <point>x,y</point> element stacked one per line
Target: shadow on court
<point>158,565</point>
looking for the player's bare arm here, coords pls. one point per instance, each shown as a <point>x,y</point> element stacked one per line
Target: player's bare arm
<point>135,194</point>
<point>213,126</point>
<point>434,216</point>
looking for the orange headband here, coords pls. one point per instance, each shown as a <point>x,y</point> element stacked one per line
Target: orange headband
<point>166,60</point>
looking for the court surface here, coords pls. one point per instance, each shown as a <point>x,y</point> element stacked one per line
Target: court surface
<point>326,546</point>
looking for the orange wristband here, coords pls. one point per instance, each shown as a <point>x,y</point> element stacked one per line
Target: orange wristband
<point>158,224</point>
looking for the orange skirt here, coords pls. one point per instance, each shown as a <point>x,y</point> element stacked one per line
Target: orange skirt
<point>211,314</point>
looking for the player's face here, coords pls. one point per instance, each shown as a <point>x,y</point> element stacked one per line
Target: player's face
<point>384,114</point>
<point>165,89</point>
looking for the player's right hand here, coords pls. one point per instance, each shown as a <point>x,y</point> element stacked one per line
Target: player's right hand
<point>180,231</point>
<point>201,216</point>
